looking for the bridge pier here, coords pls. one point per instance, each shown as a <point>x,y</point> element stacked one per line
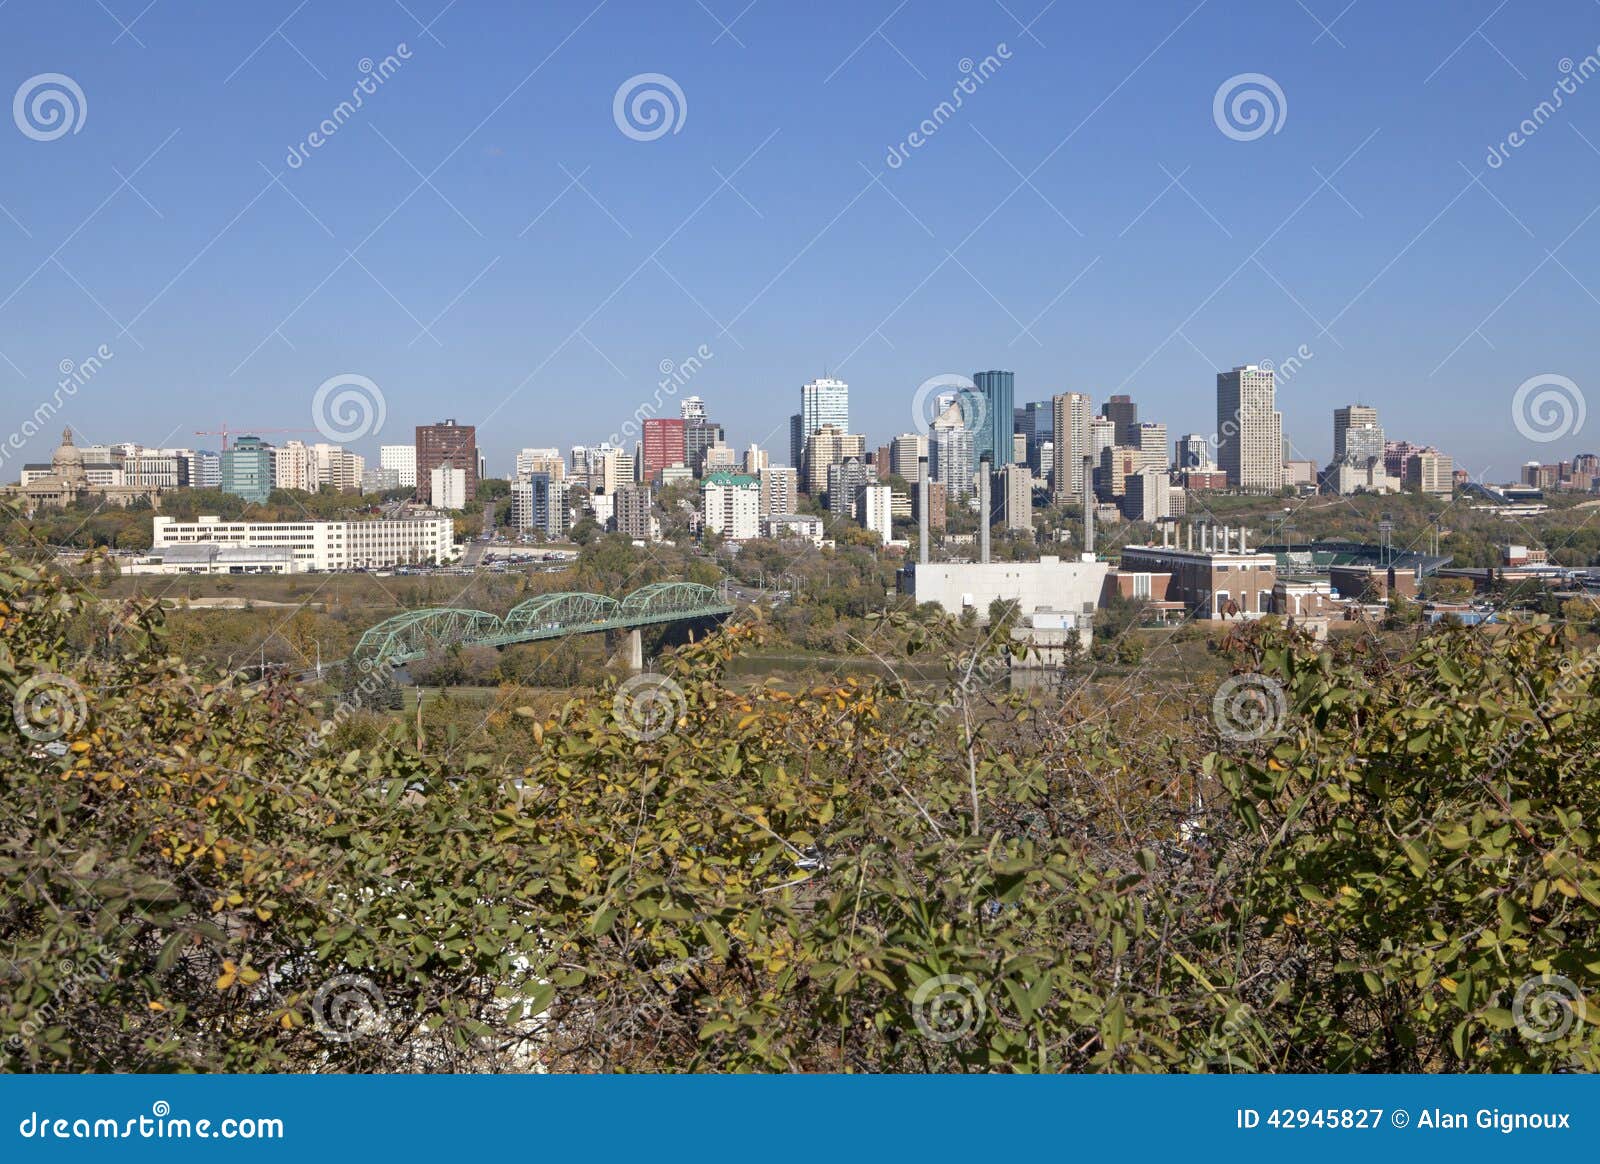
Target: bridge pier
<point>635,650</point>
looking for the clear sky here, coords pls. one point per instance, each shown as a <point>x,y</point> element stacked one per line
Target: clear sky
<point>484,242</point>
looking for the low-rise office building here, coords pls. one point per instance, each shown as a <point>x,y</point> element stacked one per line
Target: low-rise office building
<point>322,545</point>
<point>1222,578</point>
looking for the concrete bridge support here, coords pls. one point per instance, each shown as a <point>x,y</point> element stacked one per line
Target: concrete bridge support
<point>635,649</point>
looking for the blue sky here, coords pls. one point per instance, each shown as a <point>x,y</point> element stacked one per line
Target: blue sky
<point>556,262</point>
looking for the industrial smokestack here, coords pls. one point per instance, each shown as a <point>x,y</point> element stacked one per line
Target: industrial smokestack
<point>984,515</point>
<point>925,519</point>
<point>1088,505</point>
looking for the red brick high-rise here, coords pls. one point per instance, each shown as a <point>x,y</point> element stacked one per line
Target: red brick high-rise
<point>664,445</point>
<point>446,443</point>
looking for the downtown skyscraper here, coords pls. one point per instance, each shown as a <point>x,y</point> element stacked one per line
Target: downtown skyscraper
<point>822,402</point>
<point>1249,429</point>
<point>993,438</point>
<point>1073,411</point>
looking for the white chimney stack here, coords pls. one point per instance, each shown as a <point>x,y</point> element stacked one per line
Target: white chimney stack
<point>925,519</point>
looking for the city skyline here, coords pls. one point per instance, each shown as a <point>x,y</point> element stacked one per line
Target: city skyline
<point>181,227</point>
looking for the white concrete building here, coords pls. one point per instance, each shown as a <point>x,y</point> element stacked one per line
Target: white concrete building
<point>449,487</point>
<point>403,460</point>
<point>731,506</point>
<point>874,510</point>
<point>1048,584</point>
<point>321,545</point>
<point>793,525</point>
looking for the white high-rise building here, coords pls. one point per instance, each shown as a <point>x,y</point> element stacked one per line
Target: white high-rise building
<point>338,468</point>
<point>1073,442</point>
<point>692,408</point>
<point>294,466</point>
<point>950,450</point>
<point>756,459</point>
<point>403,460</point>
<point>449,487</point>
<point>822,402</point>
<point>1151,441</point>
<point>731,505</point>
<point>1249,429</point>
<point>874,510</point>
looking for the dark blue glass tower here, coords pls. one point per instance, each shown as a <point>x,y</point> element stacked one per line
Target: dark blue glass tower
<point>993,438</point>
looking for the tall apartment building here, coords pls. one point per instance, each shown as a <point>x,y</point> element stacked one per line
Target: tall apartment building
<point>731,505</point>
<point>874,510</point>
<point>993,438</point>
<point>1011,496</point>
<point>780,489</point>
<point>1072,413</point>
<point>539,502</point>
<point>338,468</point>
<point>1249,429</point>
<point>950,456</point>
<point>403,460</point>
<point>756,459</point>
<point>294,466</point>
<point>635,512</point>
<point>903,453</point>
<point>447,485</point>
<point>446,443</point>
<point>664,445</point>
<point>828,445</point>
<point>846,479</point>
<point>205,470</point>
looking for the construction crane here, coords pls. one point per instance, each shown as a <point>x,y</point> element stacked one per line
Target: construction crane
<point>249,430</point>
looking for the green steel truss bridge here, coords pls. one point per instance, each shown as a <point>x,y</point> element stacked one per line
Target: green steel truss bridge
<point>407,637</point>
